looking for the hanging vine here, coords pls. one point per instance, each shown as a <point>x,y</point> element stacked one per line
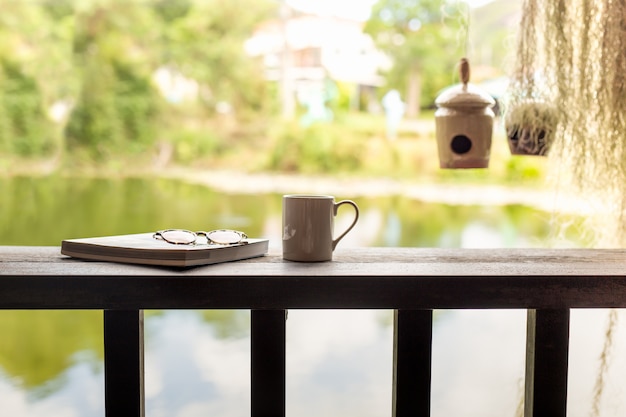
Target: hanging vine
<point>568,88</point>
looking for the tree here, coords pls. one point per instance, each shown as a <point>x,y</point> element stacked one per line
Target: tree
<point>24,126</point>
<point>118,107</point>
<point>33,66</point>
<point>205,42</point>
<point>423,39</point>
<point>98,57</point>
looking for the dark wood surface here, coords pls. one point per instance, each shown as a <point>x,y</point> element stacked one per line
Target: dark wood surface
<point>412,363</point>
<point>403,278</point>
<point>268,362</point>
<point>124,363</point>
<point>47,260</point>
<point>547,356</point>
<point>411,281</point>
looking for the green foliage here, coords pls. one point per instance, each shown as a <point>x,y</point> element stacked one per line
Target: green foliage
<point>207,45</point>
<point>94,122</point>
<point>6,134</point>
<point>138,104</point>
<point>318,148</point>
<point>99,55</point>
<point>170,10</point>
<point>343,101</point>
<point>37,35</point>
<point>58,9</point>
<point>422,38</point>
<point>521,169</point>
<point>118,109</point>
<point>113,47</point>
<point>24,125</point>
<point>190,146</point>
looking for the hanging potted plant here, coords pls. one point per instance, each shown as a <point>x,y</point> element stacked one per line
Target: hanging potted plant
<point>530,127</point>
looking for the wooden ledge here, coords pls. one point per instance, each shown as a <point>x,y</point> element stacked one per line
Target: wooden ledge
<point>373,278</point>
<point>47,260</point>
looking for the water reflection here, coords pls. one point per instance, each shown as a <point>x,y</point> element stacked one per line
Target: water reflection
<point>478,363</point>
<point>339,362</point>
<point>192,371</point>
<point>44,211</point>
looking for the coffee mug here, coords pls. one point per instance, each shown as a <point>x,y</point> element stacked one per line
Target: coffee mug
<point>308,226</point>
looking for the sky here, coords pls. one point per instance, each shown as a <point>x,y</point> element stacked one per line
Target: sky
<point>357,9</point>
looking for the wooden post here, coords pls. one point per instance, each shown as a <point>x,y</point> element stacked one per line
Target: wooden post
<point>547,347</point>
<point>412,357</point>
<point>123,363</point>
<point>268,337</point>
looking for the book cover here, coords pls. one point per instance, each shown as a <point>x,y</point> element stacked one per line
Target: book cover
<point>143,248</point>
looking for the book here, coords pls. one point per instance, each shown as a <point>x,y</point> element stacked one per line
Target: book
<point>143,248</point>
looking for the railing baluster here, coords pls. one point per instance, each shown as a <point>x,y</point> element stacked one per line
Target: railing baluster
<point>547,347</point>
<point>123,363</point>
<point>268,362</point>
<point>412,357</point>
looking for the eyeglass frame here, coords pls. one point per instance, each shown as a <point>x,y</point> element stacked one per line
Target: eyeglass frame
<point>242,237</point>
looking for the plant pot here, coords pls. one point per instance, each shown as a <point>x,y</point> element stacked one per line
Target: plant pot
<point>530,127</point>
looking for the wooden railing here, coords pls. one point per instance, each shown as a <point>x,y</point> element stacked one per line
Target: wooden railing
<point>410,281</point>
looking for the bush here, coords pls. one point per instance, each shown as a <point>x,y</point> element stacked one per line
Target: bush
<point>190,146</point>
<point>316,149</point>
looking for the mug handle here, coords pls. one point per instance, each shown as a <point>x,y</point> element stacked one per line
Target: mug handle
<point>356,217</point>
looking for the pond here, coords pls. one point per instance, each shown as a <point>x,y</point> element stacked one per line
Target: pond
<point>46,210</point>
<point>338,362</point>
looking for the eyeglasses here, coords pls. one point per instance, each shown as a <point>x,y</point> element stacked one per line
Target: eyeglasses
<point>214,237</point>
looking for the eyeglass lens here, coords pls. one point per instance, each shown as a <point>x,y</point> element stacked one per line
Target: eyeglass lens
<point>178,237</point>
<point>225,237</point>
<point>187,237</point>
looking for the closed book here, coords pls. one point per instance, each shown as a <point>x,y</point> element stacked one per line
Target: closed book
<point>143,248</point>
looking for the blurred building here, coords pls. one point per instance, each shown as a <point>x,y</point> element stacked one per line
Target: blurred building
<point>303,51</point>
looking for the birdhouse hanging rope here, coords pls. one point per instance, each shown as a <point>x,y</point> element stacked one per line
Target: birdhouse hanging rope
<point>570,68</point>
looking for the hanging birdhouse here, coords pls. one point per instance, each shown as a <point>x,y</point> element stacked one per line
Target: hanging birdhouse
<point>530,127</point>
<point>464,124</point>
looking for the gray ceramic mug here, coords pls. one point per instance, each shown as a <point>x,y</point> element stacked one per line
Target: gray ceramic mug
<point>308,226</point>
